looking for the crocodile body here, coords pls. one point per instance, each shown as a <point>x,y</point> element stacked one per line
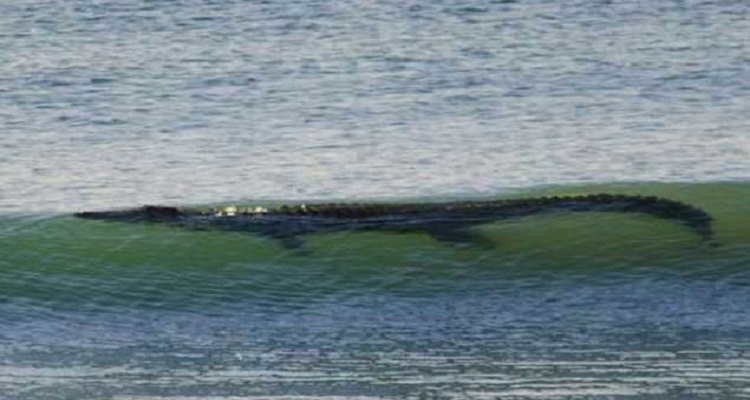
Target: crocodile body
<point>444,221</point>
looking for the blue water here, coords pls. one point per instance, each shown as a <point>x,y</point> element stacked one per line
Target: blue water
<point>113,104</point>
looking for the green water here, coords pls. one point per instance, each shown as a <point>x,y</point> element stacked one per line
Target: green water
<point>585,305</point>
<point>569,305</point>
<point>111,104</point>
<point>148,263</point>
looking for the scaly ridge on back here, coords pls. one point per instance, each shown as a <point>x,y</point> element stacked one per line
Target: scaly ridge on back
<point>425,216</point>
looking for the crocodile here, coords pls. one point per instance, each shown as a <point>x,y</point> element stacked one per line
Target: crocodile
<point>447,222</point>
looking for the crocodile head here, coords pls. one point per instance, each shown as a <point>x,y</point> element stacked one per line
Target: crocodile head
<point>145,213</point>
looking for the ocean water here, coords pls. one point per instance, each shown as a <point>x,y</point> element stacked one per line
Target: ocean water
<point>112,104</point>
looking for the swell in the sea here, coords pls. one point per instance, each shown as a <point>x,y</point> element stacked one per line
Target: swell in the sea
<point>67,262</point>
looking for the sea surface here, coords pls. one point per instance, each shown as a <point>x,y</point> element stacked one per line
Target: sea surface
<point>113,104</point>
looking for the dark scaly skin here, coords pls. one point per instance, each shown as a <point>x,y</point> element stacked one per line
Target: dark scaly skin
<point>444,221</point>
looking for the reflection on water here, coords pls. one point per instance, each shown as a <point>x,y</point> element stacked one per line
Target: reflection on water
<point>655,336</point>
<point>126,104</point>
